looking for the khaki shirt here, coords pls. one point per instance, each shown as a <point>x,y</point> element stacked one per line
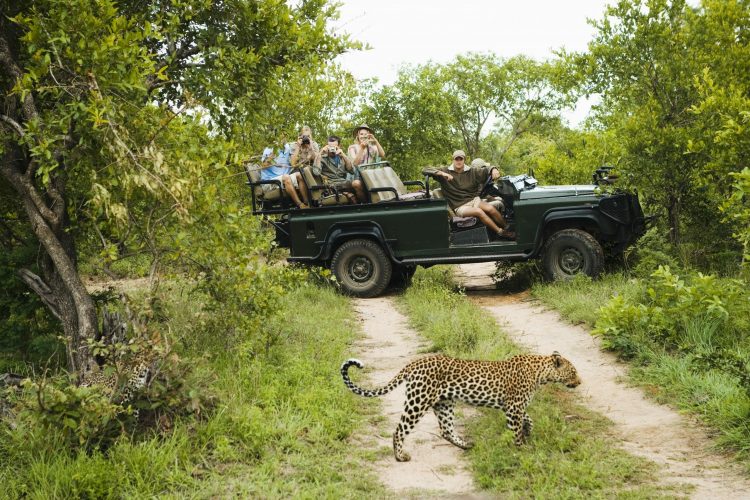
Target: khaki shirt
<point>464,187</point>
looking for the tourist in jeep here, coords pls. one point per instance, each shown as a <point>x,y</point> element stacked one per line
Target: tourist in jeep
<point>336,168</point>
<point>461,187</point>
<point>366,148</point>
<point>305,150</point>
<point>278,168</point>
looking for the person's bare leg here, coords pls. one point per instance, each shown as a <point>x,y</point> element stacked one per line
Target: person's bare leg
<point>292,192</point>
<point>494,213</point>
<point>302,188</point>
<point>359,188</point>
<point>479,214</point>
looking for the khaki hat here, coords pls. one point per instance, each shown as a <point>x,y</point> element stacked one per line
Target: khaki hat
<point>458,153</point>
<point>361,127</point>
<point>479,163</point>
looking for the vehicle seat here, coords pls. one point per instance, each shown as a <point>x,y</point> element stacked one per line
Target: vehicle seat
<point>275,193</point>
<point>457,223</point>
<point>384,184</point>
<point>322,195</point>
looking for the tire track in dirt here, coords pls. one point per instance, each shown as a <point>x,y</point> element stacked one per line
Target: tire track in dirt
<point>437,468</point>
<point>680,447</point>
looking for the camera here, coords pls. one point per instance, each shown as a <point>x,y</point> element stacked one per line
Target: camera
<point>331,150</point>
<point>305,139</point>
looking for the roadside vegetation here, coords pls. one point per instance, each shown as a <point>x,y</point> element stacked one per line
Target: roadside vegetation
<point>685,335</point>
<point>570,454</point>
<point>277,426</point>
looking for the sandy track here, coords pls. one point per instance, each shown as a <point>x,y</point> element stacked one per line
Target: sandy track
<point>437,468</point>
<point>646,429</point>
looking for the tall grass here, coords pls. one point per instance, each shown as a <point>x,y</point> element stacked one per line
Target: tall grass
<point>280,429</point>
<point>571,453</point>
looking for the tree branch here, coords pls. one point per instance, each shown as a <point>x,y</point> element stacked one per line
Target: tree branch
<point>13,124</point>
<point>41,289</point>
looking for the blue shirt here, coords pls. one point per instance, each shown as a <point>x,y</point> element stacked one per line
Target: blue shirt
<point>281,164</point>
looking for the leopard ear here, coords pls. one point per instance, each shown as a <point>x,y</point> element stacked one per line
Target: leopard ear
<point>556,358</point>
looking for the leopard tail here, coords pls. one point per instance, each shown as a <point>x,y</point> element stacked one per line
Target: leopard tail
<point>369,393</point>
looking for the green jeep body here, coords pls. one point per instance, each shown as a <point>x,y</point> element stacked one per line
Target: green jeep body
<point>370,245</point>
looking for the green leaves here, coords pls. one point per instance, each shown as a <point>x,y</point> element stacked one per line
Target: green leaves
<point>433,109</point>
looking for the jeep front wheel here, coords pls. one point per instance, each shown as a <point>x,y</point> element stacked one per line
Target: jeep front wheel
<point>361,267</point>
<point>569,252</point>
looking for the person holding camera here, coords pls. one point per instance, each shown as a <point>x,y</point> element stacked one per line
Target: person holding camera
<point>366,148</point>
<point>305,150</point>
<point>335,168</point>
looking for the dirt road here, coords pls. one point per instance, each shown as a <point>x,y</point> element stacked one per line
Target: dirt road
<point>646,429</point>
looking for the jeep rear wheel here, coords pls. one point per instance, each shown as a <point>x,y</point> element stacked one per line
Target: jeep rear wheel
<point>361,267</point>
<point>569,252</point>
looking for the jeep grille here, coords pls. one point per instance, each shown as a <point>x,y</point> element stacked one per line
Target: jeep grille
<point>616,207</point>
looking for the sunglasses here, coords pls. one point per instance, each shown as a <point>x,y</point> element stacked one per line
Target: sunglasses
<point>459,158</point>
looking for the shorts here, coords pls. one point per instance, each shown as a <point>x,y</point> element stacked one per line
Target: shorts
<point>271,187</point>
<point>471,204</point>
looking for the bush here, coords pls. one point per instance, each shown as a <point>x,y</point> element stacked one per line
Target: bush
<point>93,418</point>
<point>651,251</point>
<point>515,277</point>
<point>688,336</point>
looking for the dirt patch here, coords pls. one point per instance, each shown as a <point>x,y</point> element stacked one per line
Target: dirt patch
<point>679,445</point>
<point>125,285</point>
<point>437,468</point>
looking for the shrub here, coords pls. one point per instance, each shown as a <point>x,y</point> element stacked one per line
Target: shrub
<point>650,252</point>
<point>514,277</point>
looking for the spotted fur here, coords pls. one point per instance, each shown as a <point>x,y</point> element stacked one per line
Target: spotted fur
<point>437,382</point>
<point>131,378</point>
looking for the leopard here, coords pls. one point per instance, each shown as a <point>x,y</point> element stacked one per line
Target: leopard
<point>439,381</point>
<point>125,380</point>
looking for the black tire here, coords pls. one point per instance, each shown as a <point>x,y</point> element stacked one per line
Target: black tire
<point>569,252</point>
<point>362,268</point>
<point>402,275</point>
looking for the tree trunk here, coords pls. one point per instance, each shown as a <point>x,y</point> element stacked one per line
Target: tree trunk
<point>65,294</point>
<point>60,286</point>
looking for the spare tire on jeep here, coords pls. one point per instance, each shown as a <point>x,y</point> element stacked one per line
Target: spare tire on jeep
<point>569,252</point>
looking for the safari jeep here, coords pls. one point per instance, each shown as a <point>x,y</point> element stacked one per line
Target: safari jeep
<point>371,245</point>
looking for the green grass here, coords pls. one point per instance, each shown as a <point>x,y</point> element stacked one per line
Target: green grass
<point>676,368</point>
<point>571,454</point>
<point>578,300</point>
<point>281,427</point>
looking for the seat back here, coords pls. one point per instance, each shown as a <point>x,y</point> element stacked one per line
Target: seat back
<point>320,194</point>
<point>374,179</point>
<point>314,184</point>
<point>271,192</point>
<point>252,171</point>
<point>384,177</point>
<point>394,180</point>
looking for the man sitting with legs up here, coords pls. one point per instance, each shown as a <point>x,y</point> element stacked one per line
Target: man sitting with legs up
<point>460,186</point>
<point>334,165</point>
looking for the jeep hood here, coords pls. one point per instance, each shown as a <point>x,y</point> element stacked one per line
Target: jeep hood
<point>538,192</point>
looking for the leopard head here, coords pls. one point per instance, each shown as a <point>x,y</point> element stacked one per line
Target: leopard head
<point>563,371</point>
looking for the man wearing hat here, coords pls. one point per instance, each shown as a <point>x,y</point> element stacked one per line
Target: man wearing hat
<point>461,187</point>
<point>366,148</point>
